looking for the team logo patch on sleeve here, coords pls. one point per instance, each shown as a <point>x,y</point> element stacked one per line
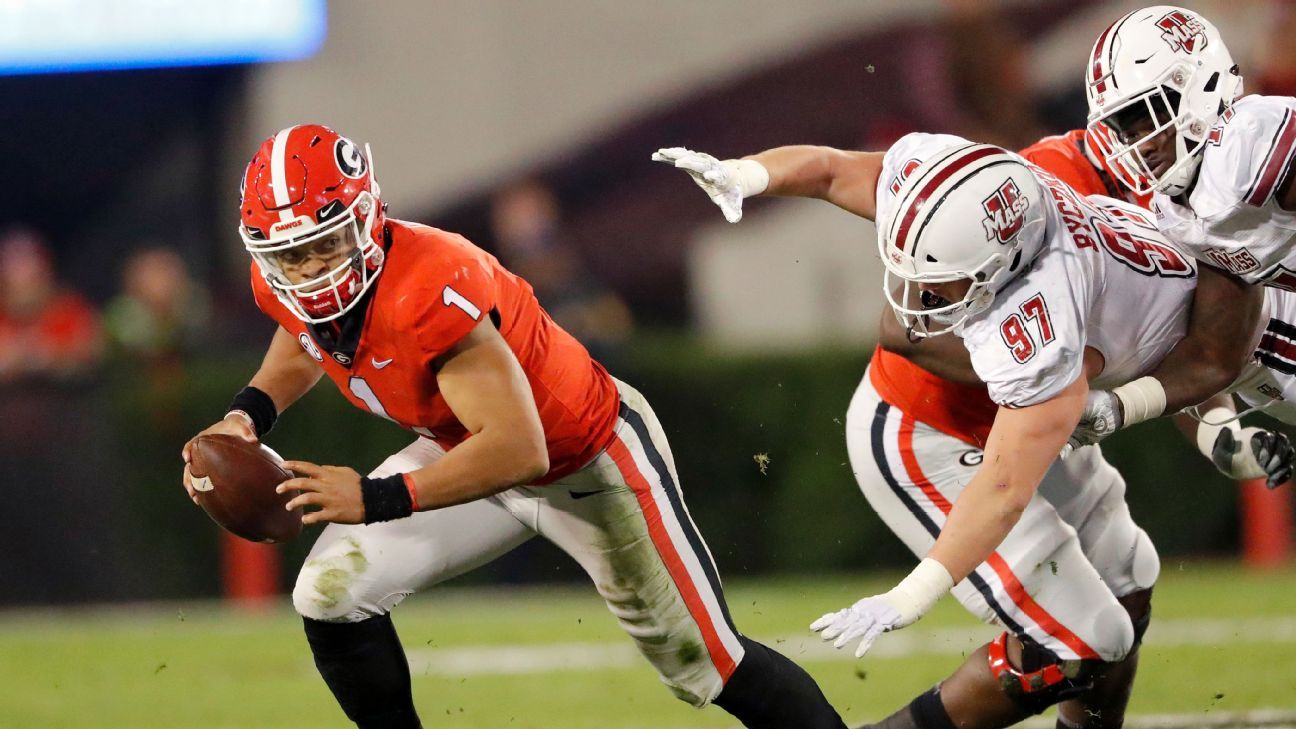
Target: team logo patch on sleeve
<point>1239,261</point>
<point>308,344</point>
<point>1182,31</point>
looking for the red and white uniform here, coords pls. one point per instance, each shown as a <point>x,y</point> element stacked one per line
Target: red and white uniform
<point>436,288</point>
<point>1268,381</point>
<point>1056,577</point>
<point>1232,219</point>
<point>611,498</point>
<point>963,411</point>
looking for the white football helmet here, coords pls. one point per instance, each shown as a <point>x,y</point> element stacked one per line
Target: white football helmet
<point>972,211</point>
<point>1169,65</point>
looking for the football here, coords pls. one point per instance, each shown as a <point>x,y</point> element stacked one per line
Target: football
<point>235,482</point>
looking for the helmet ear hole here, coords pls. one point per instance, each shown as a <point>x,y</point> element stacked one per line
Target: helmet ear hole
<point>1211,83</point>
<point>932,259</point>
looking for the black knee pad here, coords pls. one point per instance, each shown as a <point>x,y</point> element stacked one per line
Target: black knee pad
<point>1043,679</point>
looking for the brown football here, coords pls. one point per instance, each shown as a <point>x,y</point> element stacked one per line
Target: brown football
<point>235,481</point>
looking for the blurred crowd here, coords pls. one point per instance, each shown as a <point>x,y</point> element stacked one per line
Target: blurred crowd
<point>50,333</point>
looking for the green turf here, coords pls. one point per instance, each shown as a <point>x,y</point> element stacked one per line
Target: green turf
<point>203,666</point>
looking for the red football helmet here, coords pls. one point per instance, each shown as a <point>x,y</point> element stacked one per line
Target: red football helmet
<point>312,220</point>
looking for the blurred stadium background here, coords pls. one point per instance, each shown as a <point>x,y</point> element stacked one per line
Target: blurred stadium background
<point>126,325</point>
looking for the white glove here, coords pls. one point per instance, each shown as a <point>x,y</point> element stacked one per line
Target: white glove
<point>1102,416</point>
<point>899,607</point>
<point>726,182</point>
<point>1107,412</point>
<point>866,620</point>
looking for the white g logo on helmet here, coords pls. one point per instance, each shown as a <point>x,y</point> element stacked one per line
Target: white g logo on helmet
<point>349,158</point>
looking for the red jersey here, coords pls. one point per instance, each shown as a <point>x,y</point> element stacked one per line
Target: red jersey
<point>962,411</point>
<point>1068,157</point>
<point>434,288</point>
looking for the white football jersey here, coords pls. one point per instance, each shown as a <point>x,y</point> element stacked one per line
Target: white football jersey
<point>1269,379</point>
<point>1232,219</point>
<point>1105,278</point>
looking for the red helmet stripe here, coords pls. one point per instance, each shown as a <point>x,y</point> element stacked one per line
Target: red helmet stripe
<point>930,185</point>
<point>1096,64</point>
<point>278,176</point>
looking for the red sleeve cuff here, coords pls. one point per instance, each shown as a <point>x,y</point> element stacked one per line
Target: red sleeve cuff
<point>413,492</point>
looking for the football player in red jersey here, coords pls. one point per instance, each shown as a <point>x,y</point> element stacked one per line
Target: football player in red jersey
<point>520,433</point>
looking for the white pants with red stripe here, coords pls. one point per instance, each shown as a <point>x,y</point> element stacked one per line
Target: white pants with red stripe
<point>1055,579</point>
<point>622,518</point>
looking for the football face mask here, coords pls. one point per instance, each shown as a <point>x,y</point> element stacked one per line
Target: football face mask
<point>924,313</point>
<point>321,274</point>
<point>1147,142</point>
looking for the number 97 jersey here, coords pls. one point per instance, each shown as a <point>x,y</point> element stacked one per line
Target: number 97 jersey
<point>1105,279</point>
<point>434,289</point>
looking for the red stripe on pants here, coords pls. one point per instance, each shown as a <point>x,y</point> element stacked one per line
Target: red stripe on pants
<point>1012,586</point>
<point>642,487</point>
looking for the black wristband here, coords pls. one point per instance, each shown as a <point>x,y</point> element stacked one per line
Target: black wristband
<point>385,498</point>
<point>258,406</point>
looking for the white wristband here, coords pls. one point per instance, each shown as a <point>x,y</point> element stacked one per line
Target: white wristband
<point>917,592</point>
<point>752,176</point>
<point>251,423</point>
<point>1142,399</point>
<point>1207,433</point>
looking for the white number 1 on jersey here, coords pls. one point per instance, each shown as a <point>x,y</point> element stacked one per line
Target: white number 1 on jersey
<point>450,297</point>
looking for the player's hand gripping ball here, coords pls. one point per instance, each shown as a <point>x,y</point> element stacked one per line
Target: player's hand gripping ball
<point>234,481</point>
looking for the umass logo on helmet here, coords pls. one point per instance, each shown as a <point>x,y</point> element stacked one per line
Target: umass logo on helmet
<point>1181,30</point>
<point>1005,212</point>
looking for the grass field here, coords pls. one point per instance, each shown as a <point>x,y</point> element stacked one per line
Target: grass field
<point>1222,640</point>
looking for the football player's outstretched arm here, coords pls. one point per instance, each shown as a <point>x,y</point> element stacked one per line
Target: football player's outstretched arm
<point>1225,311</point>
<point>845,179</point>
<point>945,357</point>
<point>486,389</point>
<point>1022,445</point>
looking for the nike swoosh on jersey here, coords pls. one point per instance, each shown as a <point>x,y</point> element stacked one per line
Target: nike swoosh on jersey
<point>379,364</point>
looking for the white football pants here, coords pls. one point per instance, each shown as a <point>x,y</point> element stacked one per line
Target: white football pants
<point>1055,579</point>
<point>622,518</point>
